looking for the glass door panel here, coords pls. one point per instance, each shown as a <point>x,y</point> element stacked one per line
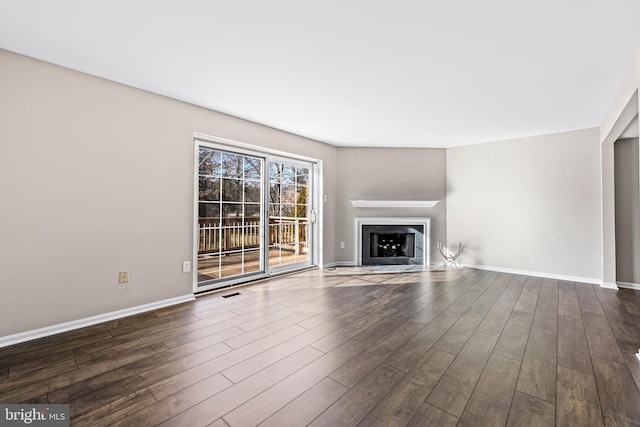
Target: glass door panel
<point>230,221</point>
<point>289,214</point>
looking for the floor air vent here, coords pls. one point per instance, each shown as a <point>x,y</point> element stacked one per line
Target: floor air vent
<point>231,295</point>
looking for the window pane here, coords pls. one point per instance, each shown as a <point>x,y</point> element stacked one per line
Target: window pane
<point>289,194</point>
<point>251,212</point>
<point>273,234</point>
<point>209,188</point>
<point>288,210</point>
<point>252,168</point>
<point>231,264</point>
<point>232,237</point>
<point>208,267</point>
<point>303,233</point>
<point>301,195</point>
<point>208,210</point>
<point>302,176</point>
<point>209,236</point>
<point>252,191</point>
<point>231,190</point>
<point>252,261</point>
<point>231,211</point>
<point>274,256</point>
<point>209,162</point>
<point>287,233</point>
<point>288,174</point>
<point>301,211</point>
<point>251,234</point>
<point>274,193</point>
<point>274,172</point>
<point>274,210</point>
<point>232,165</point>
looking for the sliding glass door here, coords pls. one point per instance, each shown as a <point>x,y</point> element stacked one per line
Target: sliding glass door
<point>254,215</point>
<point>230,218</point>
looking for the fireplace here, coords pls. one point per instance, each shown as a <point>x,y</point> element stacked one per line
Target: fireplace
<point>392,241</point>
<point>389,244</point>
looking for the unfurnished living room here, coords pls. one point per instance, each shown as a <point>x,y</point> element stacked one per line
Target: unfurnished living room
<point>356,213</point>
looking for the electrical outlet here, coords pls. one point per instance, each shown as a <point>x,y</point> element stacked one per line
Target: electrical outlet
<point>124,277</point>
<point>186,266</point>
<point>341,245</point>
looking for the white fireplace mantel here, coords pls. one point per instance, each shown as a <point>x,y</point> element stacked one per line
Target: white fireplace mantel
<point>394,203</point>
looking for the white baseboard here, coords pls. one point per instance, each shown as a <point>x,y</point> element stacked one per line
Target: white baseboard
<point>538,274</point>
<point>635,286</point>
<point>578,279</point>
<point>88,321</point>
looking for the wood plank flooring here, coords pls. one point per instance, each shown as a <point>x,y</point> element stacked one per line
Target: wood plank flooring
<point>351,348</point>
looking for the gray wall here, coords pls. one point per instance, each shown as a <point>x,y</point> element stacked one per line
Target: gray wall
<point>627,193</point>
<point>530,204</point>
<point>389,174</point>
<point>97,178</point>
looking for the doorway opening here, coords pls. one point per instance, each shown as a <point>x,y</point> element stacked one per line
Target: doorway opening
<point>627,212</point>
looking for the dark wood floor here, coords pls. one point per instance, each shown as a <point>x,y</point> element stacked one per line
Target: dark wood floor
<point>332,349</point>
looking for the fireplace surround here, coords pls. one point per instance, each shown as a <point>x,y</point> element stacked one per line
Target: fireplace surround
<point>392,241</point>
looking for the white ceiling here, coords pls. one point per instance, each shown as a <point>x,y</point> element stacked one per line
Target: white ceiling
<point>352,72</point>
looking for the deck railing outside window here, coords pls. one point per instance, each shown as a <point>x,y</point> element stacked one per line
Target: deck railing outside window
<point>217,235</point>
